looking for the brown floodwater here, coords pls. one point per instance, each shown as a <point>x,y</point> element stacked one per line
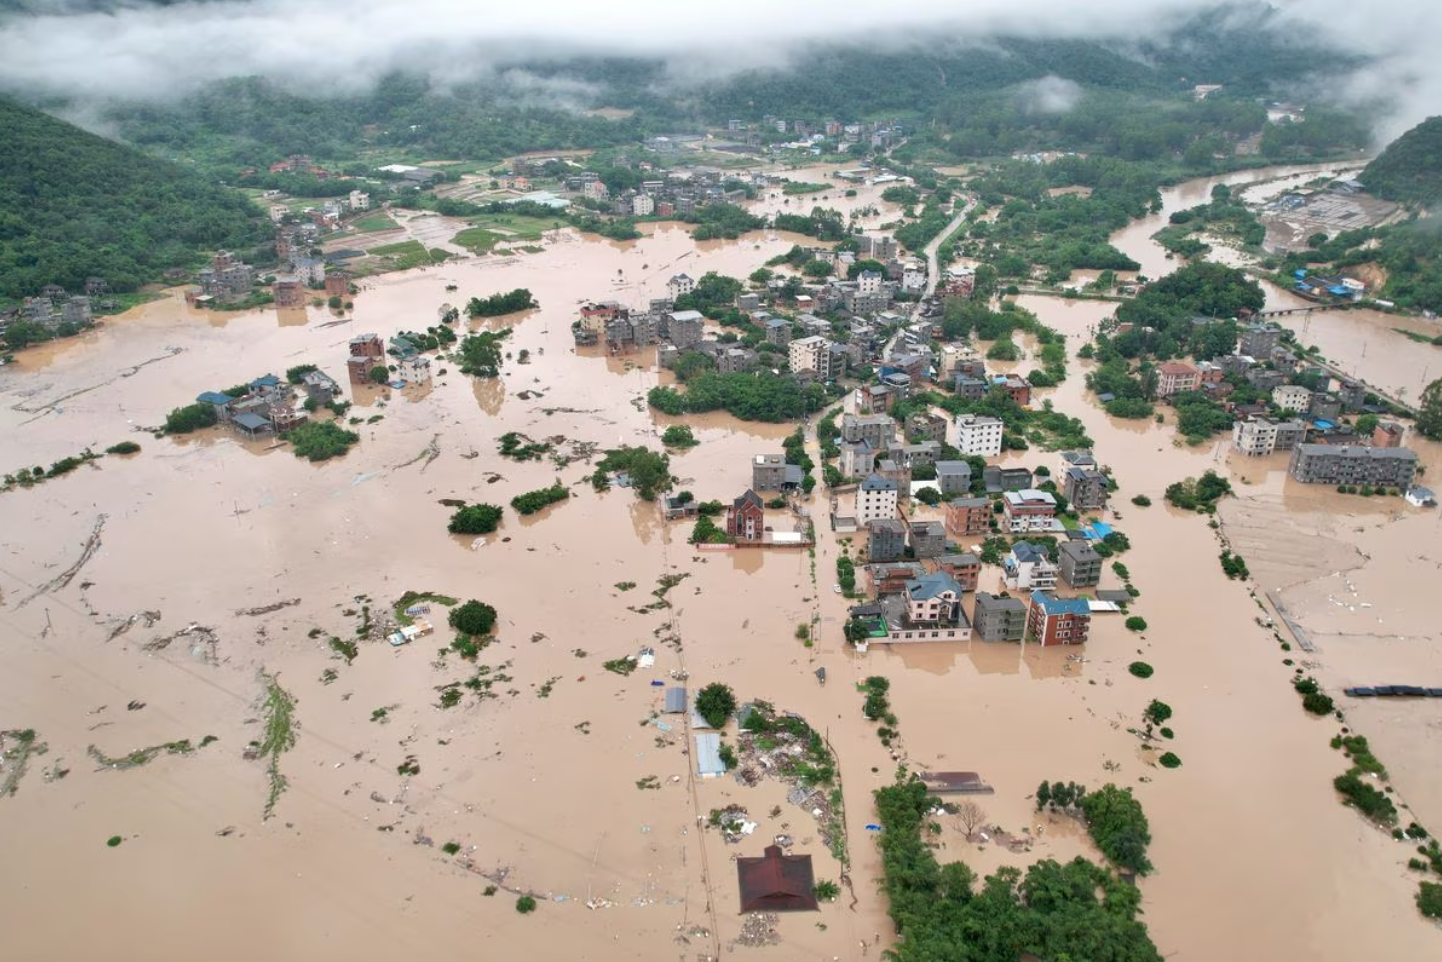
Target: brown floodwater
<point>541,784</point>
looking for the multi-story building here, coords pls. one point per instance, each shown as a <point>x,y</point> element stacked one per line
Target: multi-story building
<point>928,538</point>
<point>1086,488</point>
<point>1259,436</point>
<point>924,426</point>
<point>1018,387</point>
<point>876,499</point>
<point>1259,340</point>
<point>768,472</point>
<point>734,360</point>
<point>1325,406</point>
<point>288,291</point>
<point>1081,566</point>
<point>877,430</point>
<point>858,458</point>
<point>916,455</point>
<point>1028,510</point>
<point>809,354</point>
<point>966,516</point>
<point>1387,434</point>
<point>1027,567</point>
<point>935,600</point>
<point>1292,397</point>
<point>1353,395</point>
<point>679,286</point>
<point>886,540</point>
<point>643,205</point>
<point>964,567</point>
<point>684,328</point>
<point>998,617</point>
<point>1176,378</point>
<point>897,474</point>
<point>998,479</point>
<point>1345,464</point>
<point>746,519</point>
<point>979,435</point>
<point>890,578</point>
<point>1057,621</point>
<point>953,478</point>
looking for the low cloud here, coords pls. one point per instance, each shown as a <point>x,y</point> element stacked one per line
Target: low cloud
<point>1049,95</point>
<point>130,49</point>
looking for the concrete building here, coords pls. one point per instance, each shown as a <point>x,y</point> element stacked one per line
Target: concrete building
<point>734,360</point>
<point>1292,397</point>
<point>979,435</point>
<point>964,567</point>
<point>1028,510</point>
<point>953,478</point>
<point>1086,488</point>
<point>643,205</point>
<point>999,479</point>
<point>1259,340</point>
<point>886,540</point>
<point>810,354</point>
<point>1388,434</point>
<point>857,459</point>
<point>1027,567</point>
<point>1353,395</point>
<point>876,499</point>
<point>1325,406</point>
<point>967,516</point>
<point>1081,566</point>
<point>768,472</point>
<point>998,617</point>
<point>928,538</point>
<point>288,291</point>
<point>684,328</point>
<point>1176,378</point>
<point>1057,621</point>
<point>1259,436</point>
<point>877,430</point>
<point>924,426</point>
<point>679,286</point>
<point>1344,464</point>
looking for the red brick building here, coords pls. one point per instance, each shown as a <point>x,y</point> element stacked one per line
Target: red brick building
<point>966,516</point>
<point>337,284</point>
<point>1057,621</point>
<point>965,569</point>
<point>746,519</point>
<point>1387,434</point>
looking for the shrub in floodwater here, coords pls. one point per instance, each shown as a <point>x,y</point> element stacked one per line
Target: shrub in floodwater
<point>451,848</point>
<point>1169,760</point>
<point>525,905</point>
<point>114,840</point>
<point>1141,669</point>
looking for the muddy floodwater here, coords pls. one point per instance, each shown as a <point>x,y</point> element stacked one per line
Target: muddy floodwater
<point>552,776</point>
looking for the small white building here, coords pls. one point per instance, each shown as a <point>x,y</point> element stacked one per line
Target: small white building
<point>679,286</point>
<point>643,205</point>
<point>876,500</point>
<point>979,435</point>
<point>1292,397</point>
<point>360,200</point>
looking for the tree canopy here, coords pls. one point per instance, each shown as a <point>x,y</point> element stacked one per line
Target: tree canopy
<point>74,206</point>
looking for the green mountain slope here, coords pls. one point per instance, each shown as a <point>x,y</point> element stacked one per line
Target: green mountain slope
<point>1410,169</point>
<point>74,205</point>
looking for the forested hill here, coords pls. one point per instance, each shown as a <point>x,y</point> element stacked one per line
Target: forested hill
<point>74,205</point>
<point>1410,169</point>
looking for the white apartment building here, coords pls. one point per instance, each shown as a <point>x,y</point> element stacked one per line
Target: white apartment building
<point>643,205</point>
<point>809,354</point>
<point>679,286</point>
<point>978,434</point>
<point>1292,397</point>
<point>875,500</point>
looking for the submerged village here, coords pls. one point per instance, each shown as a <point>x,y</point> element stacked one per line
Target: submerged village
<point>684,581</point>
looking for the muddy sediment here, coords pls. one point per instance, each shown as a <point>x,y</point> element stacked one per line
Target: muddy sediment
<point>542,771</point>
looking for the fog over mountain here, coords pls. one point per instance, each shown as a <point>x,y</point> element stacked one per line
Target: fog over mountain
<point>86,49</point>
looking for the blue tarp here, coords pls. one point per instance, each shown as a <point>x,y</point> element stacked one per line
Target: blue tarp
<point>1323,425</point>
<point>1100,529</point>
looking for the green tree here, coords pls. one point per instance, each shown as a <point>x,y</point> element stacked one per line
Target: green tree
<point>190,418</point>
<point>474,618</point>
<point>716,703</point>
<point>475,519</point>
<point>380,374</point>
<point>1429,413</point>
<point>1119,827</point>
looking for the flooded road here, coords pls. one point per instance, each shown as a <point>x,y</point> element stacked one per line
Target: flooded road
<point>540,775</point>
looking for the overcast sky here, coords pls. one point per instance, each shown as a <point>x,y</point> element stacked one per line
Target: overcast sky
<point>148,51</point>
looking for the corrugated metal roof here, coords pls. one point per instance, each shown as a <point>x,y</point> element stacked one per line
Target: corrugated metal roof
<point>675,701</point>
<point>708,755</point>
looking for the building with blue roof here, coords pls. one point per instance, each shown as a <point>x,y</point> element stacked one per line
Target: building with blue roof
<point>1057,621</point>
<point>268,381</point>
